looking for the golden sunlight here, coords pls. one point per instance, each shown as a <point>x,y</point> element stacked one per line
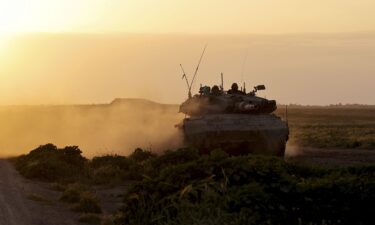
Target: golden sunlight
<point>13,17</point>
<point>22,16</point>
<point>3,44</point>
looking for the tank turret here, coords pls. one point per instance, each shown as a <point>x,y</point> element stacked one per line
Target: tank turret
<point>232,101</point>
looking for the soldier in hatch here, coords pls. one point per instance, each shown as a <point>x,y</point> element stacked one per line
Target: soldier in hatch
<point>215,90</point>
<point>234,90</point>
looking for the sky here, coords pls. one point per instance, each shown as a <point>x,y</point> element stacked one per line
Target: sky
<point>194,16</point>
<point>92,51</point>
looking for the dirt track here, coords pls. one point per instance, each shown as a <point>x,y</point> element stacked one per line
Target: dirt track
<point>17,208</point>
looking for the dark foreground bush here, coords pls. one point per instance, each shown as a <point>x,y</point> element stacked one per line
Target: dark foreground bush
<point>90,218</point>
<point>114,169</point>
<point>184,187</point>
<point>72,193</point>
<point>218,189</point>
<point>88,203</point>
<point>82,199</point>
<point>67,165</point>
<point>48,163</point>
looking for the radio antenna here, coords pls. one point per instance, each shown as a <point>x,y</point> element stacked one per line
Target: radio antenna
<point>184,76</point>
<point>196,70</point>
<point>286,113</point>
<point>222,82</point>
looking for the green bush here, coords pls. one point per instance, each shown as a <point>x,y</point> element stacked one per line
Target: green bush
<point>107,175</point>
<point>184,187</point>
<point>67,165</point>
<point>72,193</point>
<point>121,162</point>
<point>48,163</point>
<point>114,169</point>
<point>90,218</point>
<point>88,203</point>
<point>180,156</point>
<point>140,155</point>
<point>217,189</point>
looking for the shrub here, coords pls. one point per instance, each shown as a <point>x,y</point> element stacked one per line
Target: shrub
<point>169,158</point>
<point>107,175</point>
<point>48,163</point>
<point>88,203</point>
<point>113,169</point>
<point>57,186</point>
<point>72,193</point>
<point>217,189</point>
<point>121,162</point>
<point>90,218</point>
<point>140,155</point>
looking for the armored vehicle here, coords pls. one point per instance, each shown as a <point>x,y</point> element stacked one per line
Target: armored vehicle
<point>234,121</point>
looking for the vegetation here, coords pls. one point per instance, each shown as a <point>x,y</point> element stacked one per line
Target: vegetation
<point>88,203</point>
<point>114,169</point>
<point>185,187</point>
<point>81,199</point>
<point>90,218</point>
<point>48,163</point>
<point>38,198</point>
<point>331,127</point>
<point>67,165</point>
<point>218,189</point>
<point>73,192</point>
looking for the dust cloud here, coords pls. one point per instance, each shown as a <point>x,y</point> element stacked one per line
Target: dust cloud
<point>116,128</point>
<point>292,150</point>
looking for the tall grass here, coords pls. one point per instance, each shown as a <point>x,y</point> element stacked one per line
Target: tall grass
<point>219,189</point>
<point>331,127</point>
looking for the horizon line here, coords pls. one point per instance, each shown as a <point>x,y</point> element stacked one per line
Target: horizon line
<point>339,104</point>
<point>104,33</point>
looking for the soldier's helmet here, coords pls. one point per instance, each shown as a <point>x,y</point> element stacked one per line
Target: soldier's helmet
<point>234,87</point>
<point>215,90</point>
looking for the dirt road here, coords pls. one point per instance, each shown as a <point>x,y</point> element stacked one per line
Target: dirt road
<point>24,202</point>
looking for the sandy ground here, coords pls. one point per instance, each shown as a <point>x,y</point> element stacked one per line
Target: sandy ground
<point>25,202</point>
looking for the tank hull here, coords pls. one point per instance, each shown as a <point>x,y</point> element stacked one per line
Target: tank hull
<point>237,133</point>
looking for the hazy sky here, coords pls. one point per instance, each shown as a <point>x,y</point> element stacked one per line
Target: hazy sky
<point>197,16</point>
<point>309,52</point>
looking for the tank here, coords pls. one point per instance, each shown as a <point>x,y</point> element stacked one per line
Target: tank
<point>234,121</point>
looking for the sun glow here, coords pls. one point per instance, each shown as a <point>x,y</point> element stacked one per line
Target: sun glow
<point>14,17</point>
<point>272,16</point>
<point>3,44</point>
<point>24,16</point>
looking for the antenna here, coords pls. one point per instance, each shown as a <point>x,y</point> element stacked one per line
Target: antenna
<point>286,113</point>
<point>222,82</point>
<point>196,70</point>
<point>186,79</point>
